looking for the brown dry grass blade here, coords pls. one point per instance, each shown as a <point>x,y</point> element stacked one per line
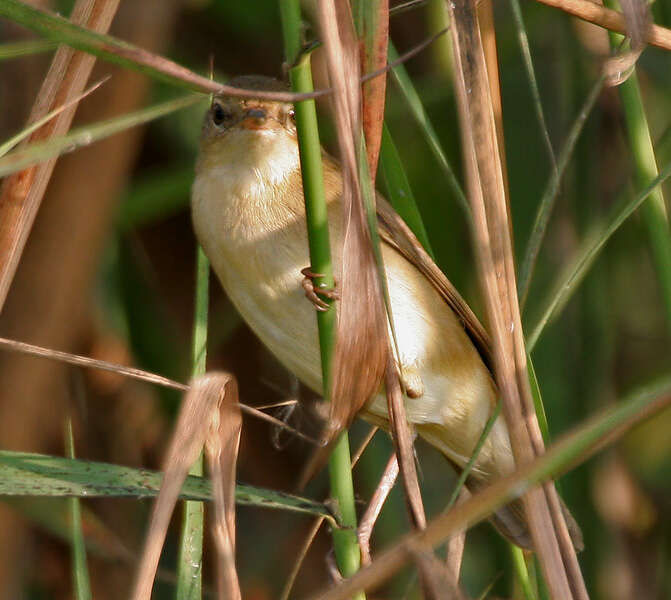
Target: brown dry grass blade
<point>207,401</point>
<point>379,497</point>
<point>221,448</point>
<point>22,192</point>
<point>455,546</point>
<point>493,243</point>
<point>609,19</point>
<point>403,443</point>
<point>638,20</point>
<point>573,449</point>
<point>436,581</point>
<point>374,41</point>
<point>361,339</point>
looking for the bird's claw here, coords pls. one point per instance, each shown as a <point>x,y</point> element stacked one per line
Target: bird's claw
<point>313,293</point>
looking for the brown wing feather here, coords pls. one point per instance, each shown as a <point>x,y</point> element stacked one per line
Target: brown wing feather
<point>398,235</point>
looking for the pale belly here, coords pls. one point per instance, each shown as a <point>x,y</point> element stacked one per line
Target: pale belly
<point>262,278</point>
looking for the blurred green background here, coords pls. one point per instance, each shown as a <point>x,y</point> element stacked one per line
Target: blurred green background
<point>109,272</point>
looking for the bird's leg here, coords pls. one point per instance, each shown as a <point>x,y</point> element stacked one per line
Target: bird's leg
<point>312,293</point>
<point>375,506</point>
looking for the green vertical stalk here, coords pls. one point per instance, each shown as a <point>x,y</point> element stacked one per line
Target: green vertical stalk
<point>645,170</point>
<point>340,470</point>
<point>80,572</point>
<point>410,95</point>
<point>190,563</point>
<point>399,190</point>
<point>522,573</point>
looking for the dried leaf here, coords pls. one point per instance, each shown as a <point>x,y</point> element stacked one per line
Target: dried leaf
<point>455,546</point>
<point>638,20</point>
<point>374,41</point>
<point>198,419</point>
<point>435,578</point>
<point>221,448</point>
<point>491,226</point>
<point>375,505</point>
<point>361,339</point>
<point>403,443</point>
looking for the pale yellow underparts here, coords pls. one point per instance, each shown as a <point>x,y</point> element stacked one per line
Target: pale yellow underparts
<point>249,216</point>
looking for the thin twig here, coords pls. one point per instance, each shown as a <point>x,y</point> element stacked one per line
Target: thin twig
<point>385,485</point>
<point>133,373</point>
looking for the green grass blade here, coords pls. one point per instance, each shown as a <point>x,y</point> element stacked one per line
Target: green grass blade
<point>40,151</point>
<point>80,572</point>
<point>345,541</point>
<point>58,29</point>
<point>25,48</point>
<point>522,573</point>
<point>476,452</point>
<point>569,280</point>
<point>26,131</point>
<point>398,189</point>
<point>551,193</point>
<point>27,474</point>
<point>653,210</point>
<point>410,95</point>
<point>538,401</point>
<point>531,76</point>
<point>190,561</point>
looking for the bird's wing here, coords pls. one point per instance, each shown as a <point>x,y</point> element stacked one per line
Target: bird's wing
<point>398,235</point>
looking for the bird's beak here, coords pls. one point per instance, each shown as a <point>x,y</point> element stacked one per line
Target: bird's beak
<point>254,118</point>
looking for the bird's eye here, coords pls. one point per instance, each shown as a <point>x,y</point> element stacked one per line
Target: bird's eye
<point>292,115</point>
<point>219,114</point>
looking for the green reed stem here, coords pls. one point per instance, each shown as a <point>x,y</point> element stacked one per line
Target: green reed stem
<point>653,209</point>
<point>190,562</point>
<point>345,540</point>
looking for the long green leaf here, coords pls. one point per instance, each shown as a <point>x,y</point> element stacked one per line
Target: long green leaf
<point>645,169</point>
<point>26,131</point>
<point>26,474</point>
<point>463,476</point>
<point>551,193</point>
<point>80,572</point>
<point>106,47</point>
<point>61,30</point>
<point>25,48</point>
<point>569,280</point>
<point>410,95</point>
<point>531,76</point>
<point>398,189</point>
<point>190,562</point>
<point>40,151</point>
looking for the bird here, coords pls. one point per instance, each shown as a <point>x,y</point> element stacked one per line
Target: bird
<point>248,214</point>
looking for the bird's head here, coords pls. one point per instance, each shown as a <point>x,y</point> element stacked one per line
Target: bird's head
<point>248,133</point>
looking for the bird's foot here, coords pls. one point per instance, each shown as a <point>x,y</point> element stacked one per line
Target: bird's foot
<point>313,293</point>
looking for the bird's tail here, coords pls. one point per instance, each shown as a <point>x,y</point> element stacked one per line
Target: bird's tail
<point>510,520</point>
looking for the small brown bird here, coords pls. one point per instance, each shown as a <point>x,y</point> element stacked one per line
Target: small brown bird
<point>249,216</point>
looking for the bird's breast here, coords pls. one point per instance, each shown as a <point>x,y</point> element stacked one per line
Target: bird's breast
<point>257,246</point>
